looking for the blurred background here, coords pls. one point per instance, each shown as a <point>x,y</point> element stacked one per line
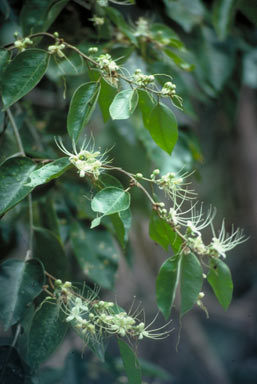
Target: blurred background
<point>217,78</point>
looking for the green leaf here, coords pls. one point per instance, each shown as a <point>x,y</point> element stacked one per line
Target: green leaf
<point>38,15</point>
<point>219,277</point>
<point>48,329</point>
<point>130,363</point>
<point>162,126</point>
<point>160,231</point>
<point>23,74</point>
<point>121,222</point>
<point>181,63</point>
<point>21,282</point>
<point>166,36</point>
<point>166,284</point>
<point>110,200</point>
<point>223,15</point>
<point>191,277</point>
<point>48,172</point>
<point>4,57</point>
<point>81,108</point>
<point>146,105</point>
<point>96,254</point>
<point>14,174</point>
<point>49,249</point>
<point>124,104</point>
<point>106,95</point>
<point>177,101</point>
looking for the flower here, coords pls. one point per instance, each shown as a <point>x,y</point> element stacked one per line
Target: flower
<point>224,241</point>
<point>86,160</point>
<point>175,185</point>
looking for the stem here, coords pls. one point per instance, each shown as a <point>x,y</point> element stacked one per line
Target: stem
<point>17,333</point>
<point>16,132</point>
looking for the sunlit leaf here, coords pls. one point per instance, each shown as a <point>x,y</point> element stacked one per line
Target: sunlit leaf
<point>124,104</point>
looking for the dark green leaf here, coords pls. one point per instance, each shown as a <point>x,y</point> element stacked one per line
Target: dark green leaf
<point>146,105</point>
<point>38,15</point>
<point>110,200</point>
<point>160,231</point>
<point>4,57</point>
<point>124,104</point>
<point>48,329</point>
<point>223,15</point>
<point>48,172</point>
<point>130,363</point>
<point>166,284</point>
<point>162,126</point>
<point>121,222</point>
<point>107,180</point>
<point>191,277</point>
<point>49,249</point>
<point>21,282</point>
<point>96,254</point>
<point>14,174</point>
<point>220,279</point>
<point>106,95</point>
<point>81,108</point>
<point>23,74</point>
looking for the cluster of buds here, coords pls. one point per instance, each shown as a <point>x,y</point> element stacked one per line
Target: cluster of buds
<point>97,21</point>
<point>109,68</point>
<point>142,80</point>
<point>86,160</point>
<point>168,89</point>
<point>57,49</point>
<point>92,50</point>
<point>98,318</point>
<point>23,44</point>
<point>142,28</point>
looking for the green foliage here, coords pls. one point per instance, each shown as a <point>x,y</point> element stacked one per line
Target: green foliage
<point>219,277</point>
<point>124,104</point>
<point>130,362</point>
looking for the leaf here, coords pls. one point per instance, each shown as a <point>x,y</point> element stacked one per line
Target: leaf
<point>162,233</point>
<point>117,18</point>
<point>23,74</point>
<point>146,105</point>
<point>38,15</point>
<point>166,36</point>
<point>110,200</point>
<point>130,363</point>
<point>179,61</point>
<point>223,15</point>
<point>124,104</point>
<point>166,284</point>
<point>21,282</point>
<point>49,172</point>
<point>107,180</point>
<point>162,126</point>
<point>121,222</point>
<point>106,95</point>
<point>96,254</point>
<point>219,277</point>
<point>49,249</point>
<point>81,108</point>
<point>191,277</point>
<point>4,57</point>
<point>48,329</point>
<point>177,101</point>
<point>14,174</point>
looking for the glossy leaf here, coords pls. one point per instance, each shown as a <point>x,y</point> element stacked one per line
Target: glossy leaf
<point>21,282</point>
<point>81,108</point>
<point>130,363</point>
<point>14,174</point>
<point>219,277</point>
<point>160,231</point>
<point>48,172</point>
<point>146,105</point>
<point>106,95</point>
<point>124,104</point>
<point>38,15</point>
<point>23,74</point>
<point>48,329</point>
<point>166,284</point>
<point>49,249</point>
<point>162,126</point>
<point>110,200</point>
<point>223,15</point>
<point>96,254</point>
<point>191,277</point>
<point>121,222</point>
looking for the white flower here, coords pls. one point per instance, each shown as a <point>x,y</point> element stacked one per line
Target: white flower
<point>175,185</point>
<point>224,241</point>
<point>86,160</point>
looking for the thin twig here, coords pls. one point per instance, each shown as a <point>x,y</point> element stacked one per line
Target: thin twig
<point>16,132</point>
